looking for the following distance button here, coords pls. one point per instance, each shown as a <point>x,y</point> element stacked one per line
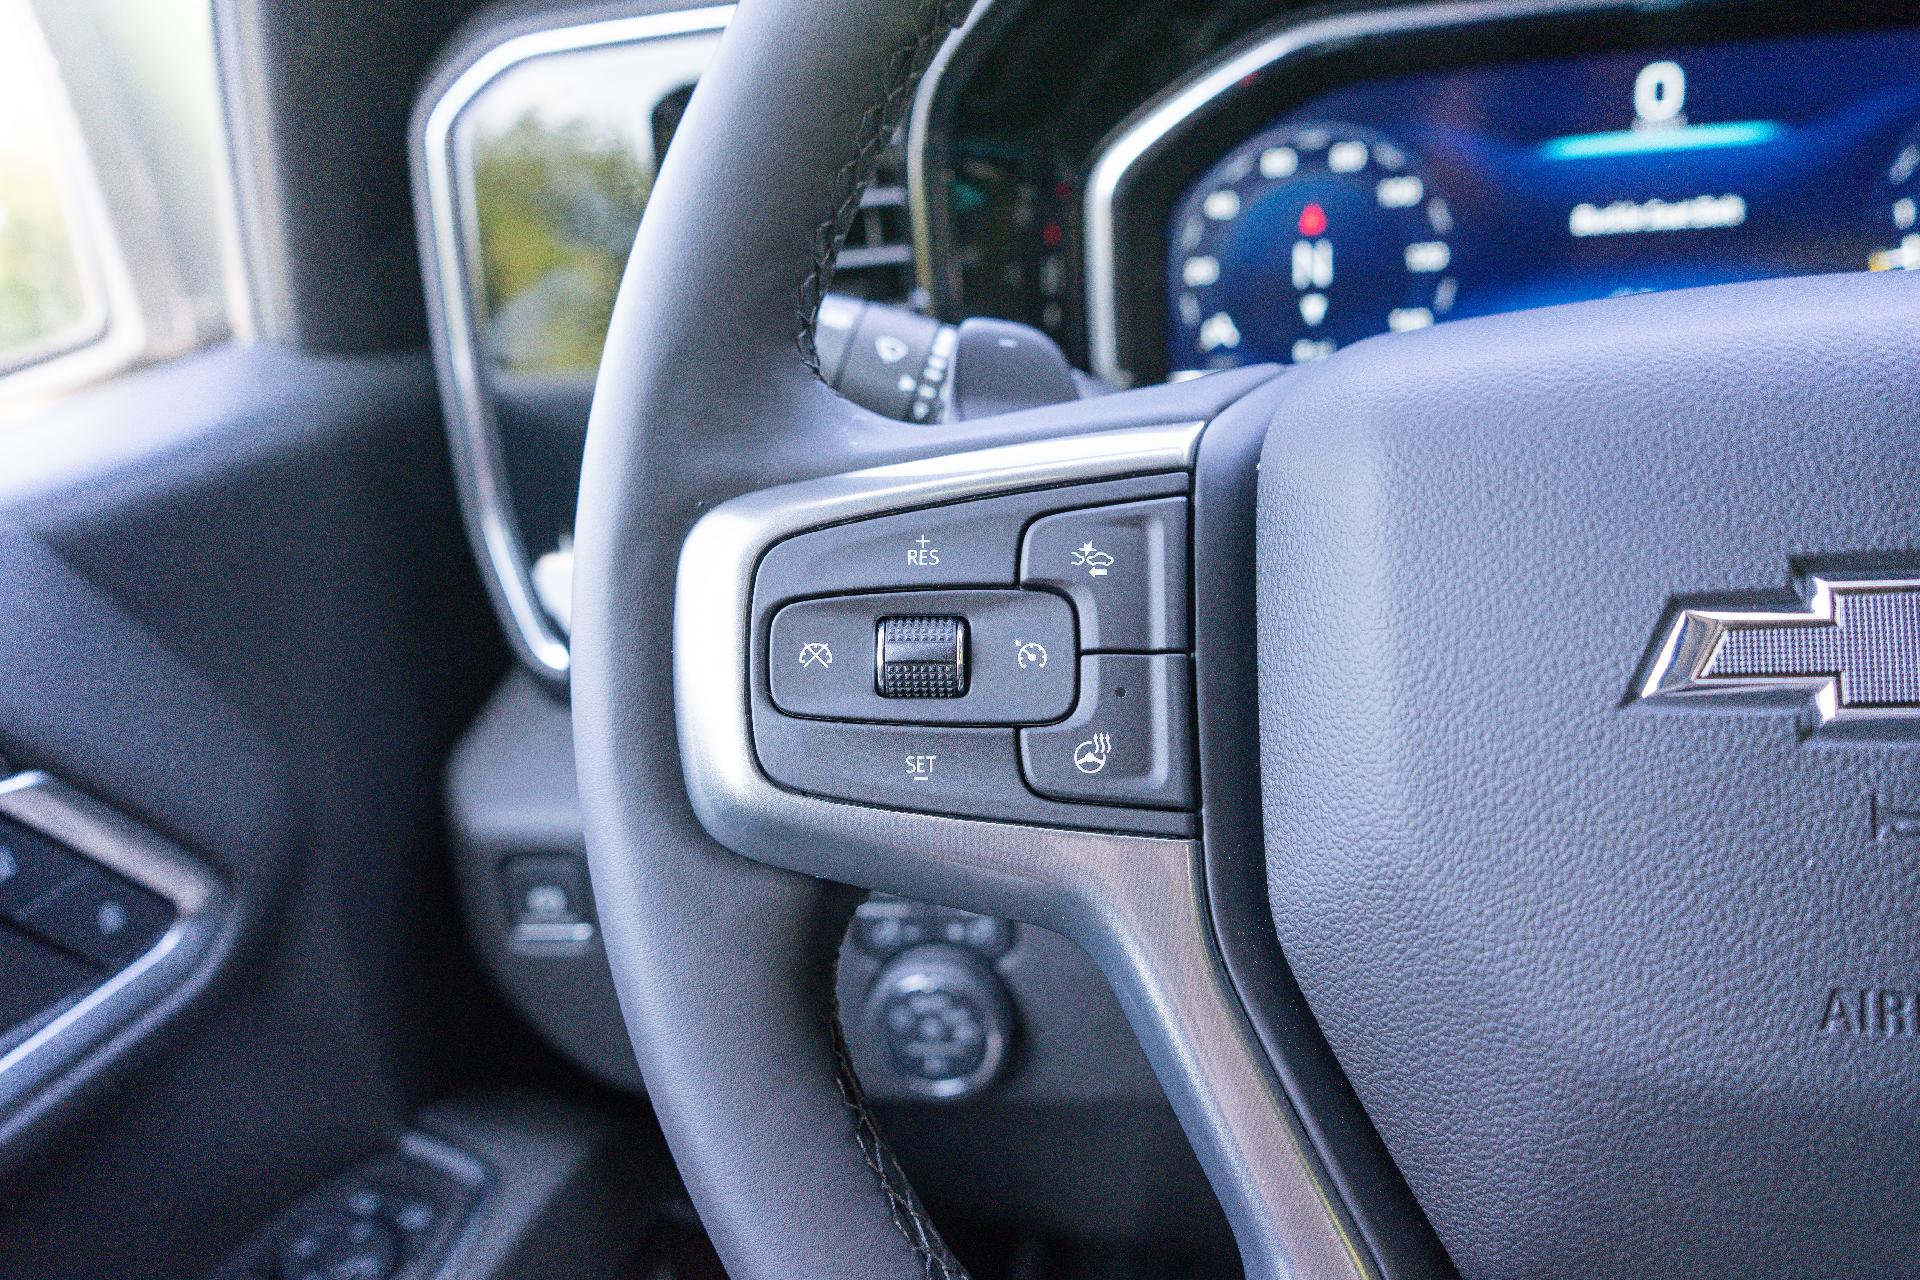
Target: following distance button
<point>1125,567</point>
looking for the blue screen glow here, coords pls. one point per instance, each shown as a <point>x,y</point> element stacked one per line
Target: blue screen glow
<point>1398,203</point>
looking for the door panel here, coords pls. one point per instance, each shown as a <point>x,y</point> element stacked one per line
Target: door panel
<point>236,605</point>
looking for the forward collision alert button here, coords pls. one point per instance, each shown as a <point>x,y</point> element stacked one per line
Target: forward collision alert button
<point>1128,742</point>
<point>1123,566</point>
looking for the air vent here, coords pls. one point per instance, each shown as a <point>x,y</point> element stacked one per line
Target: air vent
<point>876,262</point>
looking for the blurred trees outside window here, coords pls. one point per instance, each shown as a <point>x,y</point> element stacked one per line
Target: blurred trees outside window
<point>557,205</point>
<point>47,301</point>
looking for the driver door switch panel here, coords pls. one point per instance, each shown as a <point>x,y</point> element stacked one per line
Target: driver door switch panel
<point>925,657</point>
<point>1130,741</point>
<point>1124,567</point>
<point>31,867</point>
<point>396,1216</point>
<point>100,918</point>
<point>68,902</point>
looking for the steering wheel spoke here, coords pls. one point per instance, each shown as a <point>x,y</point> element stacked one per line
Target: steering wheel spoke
<point>1036,563</point>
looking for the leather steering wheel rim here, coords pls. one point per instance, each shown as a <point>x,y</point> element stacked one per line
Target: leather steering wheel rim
<point>725,965</point>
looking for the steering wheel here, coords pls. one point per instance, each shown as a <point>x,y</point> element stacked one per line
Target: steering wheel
<point>1585,641</point>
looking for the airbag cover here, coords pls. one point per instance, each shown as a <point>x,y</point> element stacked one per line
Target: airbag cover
<point>1577,953</point>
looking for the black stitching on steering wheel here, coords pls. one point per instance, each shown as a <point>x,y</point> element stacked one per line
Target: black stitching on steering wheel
<point>935,21</point>
<point>936,1260</point>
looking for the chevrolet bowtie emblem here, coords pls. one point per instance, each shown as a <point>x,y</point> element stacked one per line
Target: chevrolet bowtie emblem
<point>1853,651</point>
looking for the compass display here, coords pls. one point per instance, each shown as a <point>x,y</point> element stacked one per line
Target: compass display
<point>1305,238</point>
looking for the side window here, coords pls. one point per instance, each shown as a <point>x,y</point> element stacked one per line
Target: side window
<point>117,234</point>
<point>51,299</point>
<point>558,156</point>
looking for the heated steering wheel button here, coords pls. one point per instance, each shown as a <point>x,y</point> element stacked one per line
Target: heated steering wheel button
<point>1129,742</point>
<point>1125,566</point>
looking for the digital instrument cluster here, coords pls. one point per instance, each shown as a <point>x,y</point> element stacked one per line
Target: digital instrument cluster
<point>1396,203</point>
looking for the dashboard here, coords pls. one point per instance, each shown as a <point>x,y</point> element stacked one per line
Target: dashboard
<point>1306,183</point>
<point>1165,190</point>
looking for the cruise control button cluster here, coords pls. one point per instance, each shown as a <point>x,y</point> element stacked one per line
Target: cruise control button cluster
<point>1009,657</point>
<point>1017,658</point>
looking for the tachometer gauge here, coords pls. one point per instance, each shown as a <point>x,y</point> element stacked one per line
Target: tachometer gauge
<point>1300,241</point>
<point>1898,225</point>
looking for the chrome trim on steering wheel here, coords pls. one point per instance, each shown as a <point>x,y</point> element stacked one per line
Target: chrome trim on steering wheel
<point>1137,904</point>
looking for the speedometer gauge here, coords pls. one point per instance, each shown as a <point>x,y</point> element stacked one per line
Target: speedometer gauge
<point>1302,240</point>
<point>1899,221</point>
